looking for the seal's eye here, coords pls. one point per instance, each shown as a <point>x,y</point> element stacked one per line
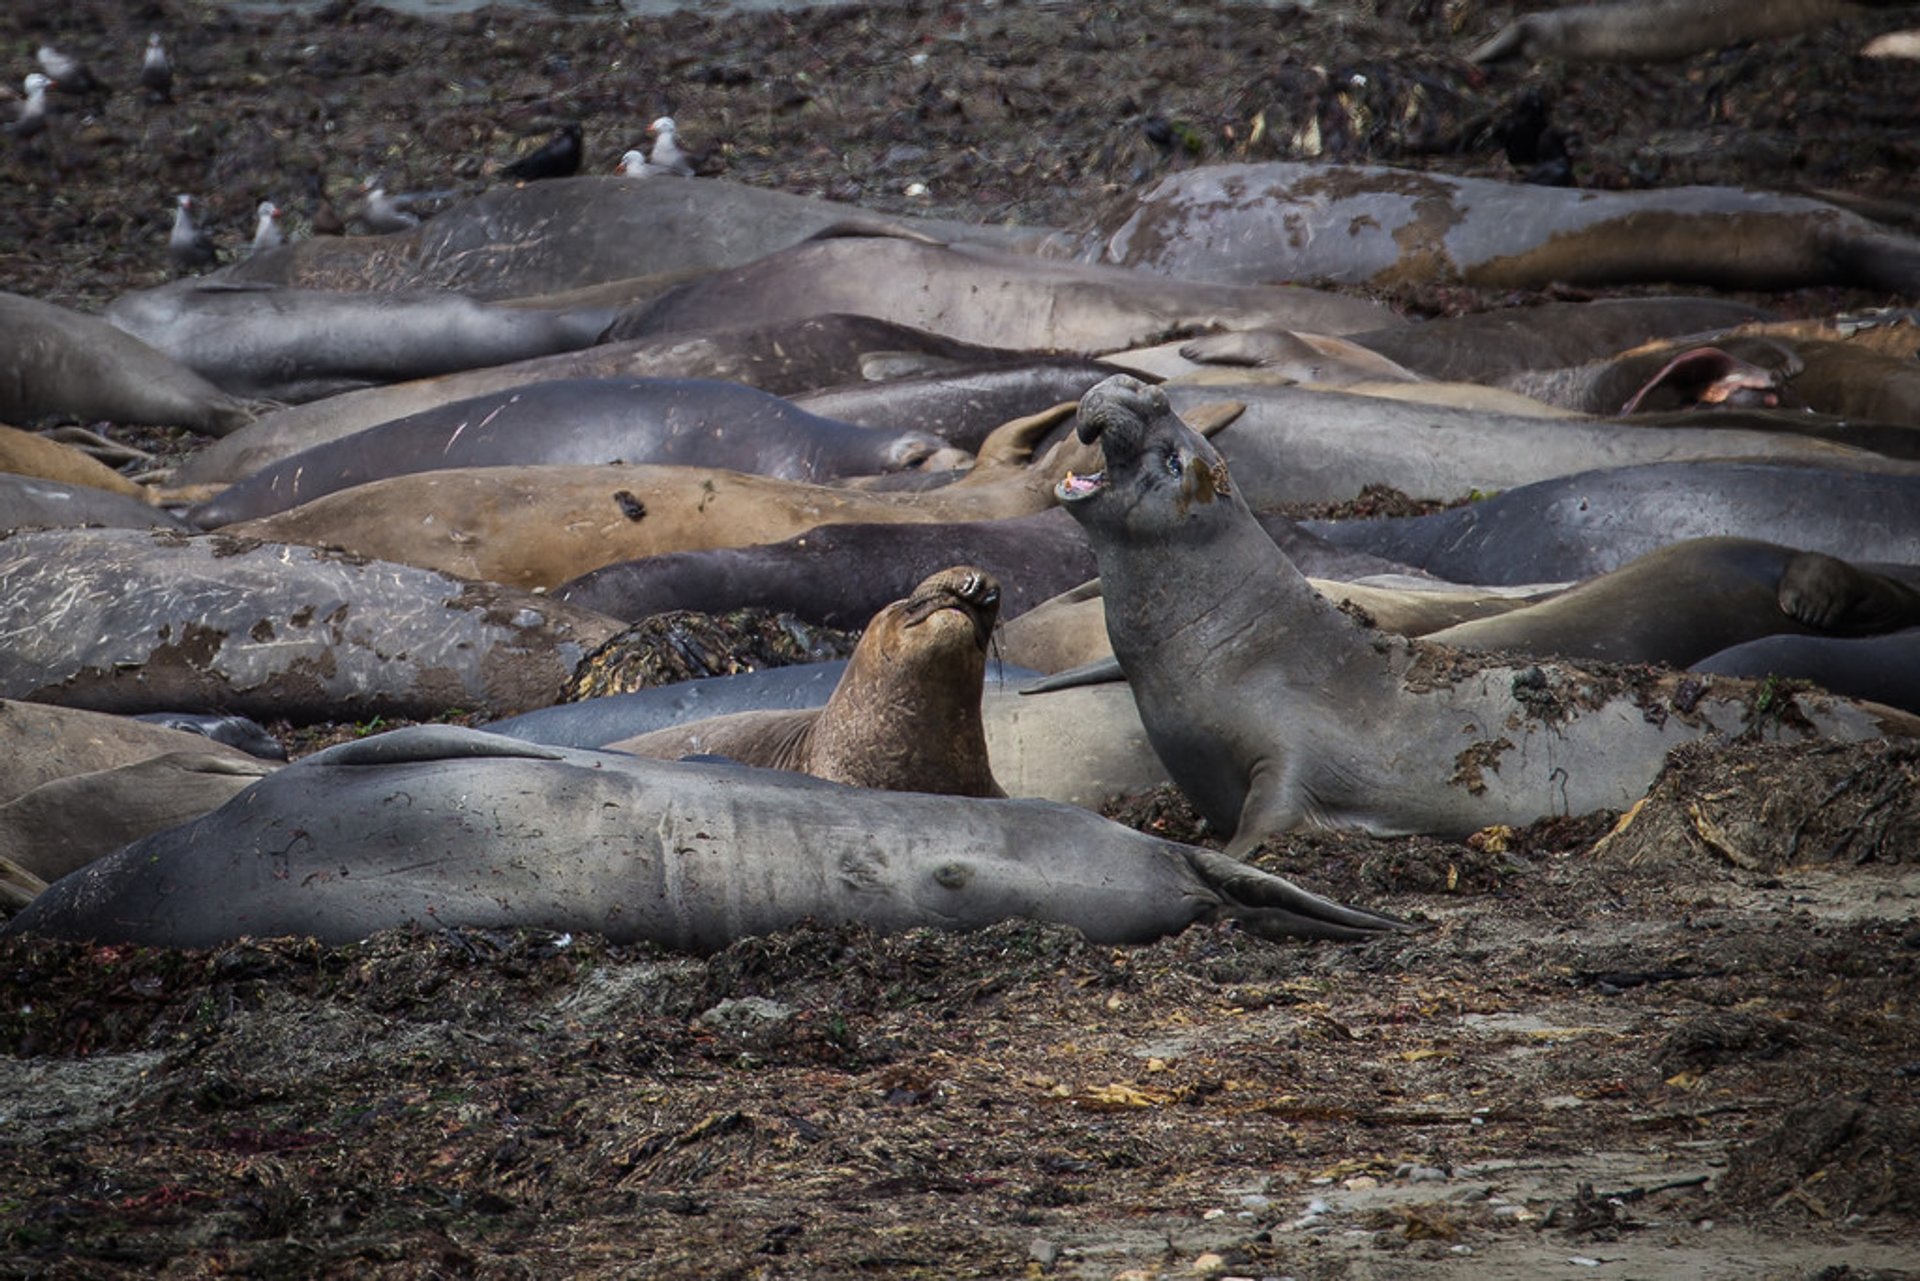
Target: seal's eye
<point>1174,463</point>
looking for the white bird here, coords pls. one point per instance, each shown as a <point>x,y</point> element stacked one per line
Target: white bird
<point>666,148</point>
<point>188,246</point>
<point>33,112</point>
<point>266,232</point>
<point>69,73</point>
<point>636,165</point>
<point>382,212</point>
<point>156,71</point>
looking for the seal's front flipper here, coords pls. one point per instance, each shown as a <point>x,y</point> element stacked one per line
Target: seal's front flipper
<point>1100,671</point>
<point>1277,908</point>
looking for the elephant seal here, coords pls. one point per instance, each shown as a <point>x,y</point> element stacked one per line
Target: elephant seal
<point>1682,602</point>
<point>62,825</point>
<point>1295,445</point>
<point>1372,225</point>
<point>984,296</point>
<point>138,621</point>
<point>781,359</point>
<point>27,502</point>
<point>1581,525</point>
<point>568,233</point>
<point>41,743</point>
<point>962,406</point>
<point>1881,669</point>
<point>905,715</point>
<point>62,364</point>
<point>1653,30</point>
<point>682,422</point>
<point>275,343</point>
<point>496,833</point>
<point>29,454</point>
<point>1273,710</point>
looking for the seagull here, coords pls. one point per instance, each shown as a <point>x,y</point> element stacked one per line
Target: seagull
<point>383,213</point>
<point>666,148</point>
<point>33,112</point>
<point>156,71</point>
<point>70,74</point>
<point>188,246</point>
<point>558,157</point>
<point>266,232</point>
<point>636,165</point>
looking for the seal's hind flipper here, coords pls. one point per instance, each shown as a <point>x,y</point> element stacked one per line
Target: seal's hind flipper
<point>1100,671</point>
<point>1273,903</point>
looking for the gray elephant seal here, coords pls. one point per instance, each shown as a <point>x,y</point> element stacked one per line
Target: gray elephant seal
<point>496,833</point>
<point>688,422</point>
<point>1273,710</point>
<point>1360,224</point>
<point>137,621</point>
<point>905,716</point>
<point>62,364</point>
<point>304,344</point>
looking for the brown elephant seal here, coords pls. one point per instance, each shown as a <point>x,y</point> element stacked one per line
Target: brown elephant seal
<point>26,453</point>
<point>63,364</point>
<point>1654,30</point>
<point>1372,225</point>
<point>905,715</point>
<point>41,743</point>
<point>440,827</point>
<point>1272,709</point>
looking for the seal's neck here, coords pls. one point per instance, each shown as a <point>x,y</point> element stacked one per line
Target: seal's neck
<point>918,733</point>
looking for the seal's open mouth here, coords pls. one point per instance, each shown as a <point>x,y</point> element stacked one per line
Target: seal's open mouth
<point>1074,488</point>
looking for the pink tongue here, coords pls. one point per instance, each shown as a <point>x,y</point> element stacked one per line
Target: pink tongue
<point>1081,484</point>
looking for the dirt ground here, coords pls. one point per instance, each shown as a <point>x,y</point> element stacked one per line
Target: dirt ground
<point>1688,1047</point>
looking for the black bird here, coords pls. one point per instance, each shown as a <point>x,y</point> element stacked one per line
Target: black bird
<point>557,157</point>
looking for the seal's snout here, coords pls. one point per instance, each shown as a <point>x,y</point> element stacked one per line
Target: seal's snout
<point>1121,406</point>
<point>964,589</point>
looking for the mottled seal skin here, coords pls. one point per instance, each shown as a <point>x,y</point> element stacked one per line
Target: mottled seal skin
<point>27,502</point>
<point>497,833</point>
<point>570,233</point>
<point>132,621</point>
<point>1371,225</point>
<point>905,715</point>
<point>983,296</point>
<point>1577,526</point>
<point>1653,30</point>
<point>60,364</point>
<point>1274,710</point>
<point>1880,669</point>
<point>675,421</point>
<point>1294,445</point>
<point>303,344</point>
<point>781,359</point>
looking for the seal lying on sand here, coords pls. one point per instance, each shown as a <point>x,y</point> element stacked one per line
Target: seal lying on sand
<point>905,716</point>
<point>497,833</point>
<point>1273,710</point>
